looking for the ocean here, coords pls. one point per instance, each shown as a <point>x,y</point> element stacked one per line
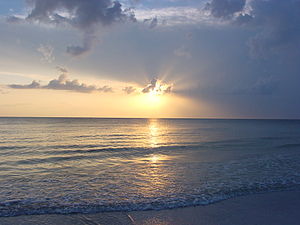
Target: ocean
<point>87,165</point>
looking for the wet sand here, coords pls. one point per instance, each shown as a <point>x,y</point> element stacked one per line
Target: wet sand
<point>276,208</point>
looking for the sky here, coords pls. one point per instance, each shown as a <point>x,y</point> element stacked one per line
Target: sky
<point>150,58</point>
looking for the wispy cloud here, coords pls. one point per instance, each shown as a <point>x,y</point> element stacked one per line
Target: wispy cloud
<point>174,15</point>
<point>47,53</point>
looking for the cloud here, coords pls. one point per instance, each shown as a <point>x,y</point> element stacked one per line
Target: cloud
<point>243,19</point>
<point>128,90</point>
<point>47,53</point>
<point>278,22</point>
<point>151,86</point>
<point>157,87</point>
<point>275,22</point>
<point>151,22</point>
<point>89,41</point>
<point>82,15</point>
<point>14,20</point>
<point>78,13</point>
<point>34,85</point>
<point>105,89</point>
<point>62,83</point>
<point>171,16</point>
<point>220,58</point>
<point>62,70</point>
<point>225,8</point>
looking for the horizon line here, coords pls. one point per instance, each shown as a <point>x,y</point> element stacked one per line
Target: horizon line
<point>106,117</point>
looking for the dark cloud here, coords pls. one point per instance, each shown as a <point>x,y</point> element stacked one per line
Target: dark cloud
<point>62,83</point>
<point>157,87</point>
<point>105,89</point>
<point>83,15</point>
<point>88,43</point>
<point>225,8</point>
<point>151,86</point>
<point>76,50</point>
<point>276,22</point>
<point>128,90</point>
<point>279,24</point>
<point>34,85</point>
<point>152,23</point>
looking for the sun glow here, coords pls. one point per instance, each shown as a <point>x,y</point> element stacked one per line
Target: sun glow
<point>155,90</point>
<point>153,97</point>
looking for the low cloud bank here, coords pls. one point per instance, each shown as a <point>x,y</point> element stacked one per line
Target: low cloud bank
<point>63,83</point>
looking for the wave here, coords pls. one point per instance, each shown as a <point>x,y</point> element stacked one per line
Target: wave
<point>213,182</point>
<point>44,154</point>
<point>38,207</point>
<point>90,153</point>
<point>289,145</point>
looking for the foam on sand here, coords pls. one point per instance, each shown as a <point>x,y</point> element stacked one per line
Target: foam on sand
<point>274,208</point>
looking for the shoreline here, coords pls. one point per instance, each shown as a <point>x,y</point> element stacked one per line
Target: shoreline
<point>274,208</point>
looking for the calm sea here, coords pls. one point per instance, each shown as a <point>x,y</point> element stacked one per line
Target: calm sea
<point>66,165</point>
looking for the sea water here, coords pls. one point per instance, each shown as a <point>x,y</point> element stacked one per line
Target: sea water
<point>69,165</point>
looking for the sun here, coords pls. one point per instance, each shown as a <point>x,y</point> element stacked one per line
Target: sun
<point>155,90</point>
<point>153,96</point>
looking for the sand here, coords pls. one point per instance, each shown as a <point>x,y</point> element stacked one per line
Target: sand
<point>276,208</point>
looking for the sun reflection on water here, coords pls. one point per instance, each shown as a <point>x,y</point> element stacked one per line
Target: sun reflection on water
<point>154,159</point>
<point>153,174</point>
<point>155,132</point>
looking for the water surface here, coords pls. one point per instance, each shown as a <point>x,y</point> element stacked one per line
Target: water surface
<point>66,165</point>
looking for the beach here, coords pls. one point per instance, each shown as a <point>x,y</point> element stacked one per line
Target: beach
<point>275,208</point>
